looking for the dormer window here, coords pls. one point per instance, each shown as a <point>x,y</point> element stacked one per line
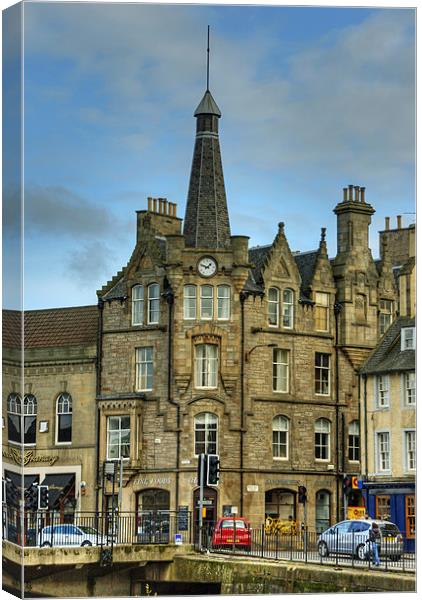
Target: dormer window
<point>137,305</point>
<point>273,306</point>
<point>408,338</point>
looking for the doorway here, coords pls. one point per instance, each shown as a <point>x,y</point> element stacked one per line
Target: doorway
<point>210,506</point>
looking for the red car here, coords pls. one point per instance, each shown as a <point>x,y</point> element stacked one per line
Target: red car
<point>232,531</point>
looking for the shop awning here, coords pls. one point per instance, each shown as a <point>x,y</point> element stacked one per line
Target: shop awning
<point>16,478</point>
<point>58,485</point>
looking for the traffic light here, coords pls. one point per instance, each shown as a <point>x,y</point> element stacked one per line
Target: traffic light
<point>301,490</point>
<point>43,497</point>
<point>31,497</point>
<point>202,460</point>
<point>213,470</point>
<point>347,485</point>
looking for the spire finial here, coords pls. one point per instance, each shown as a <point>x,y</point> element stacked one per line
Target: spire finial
<point>208,60</point>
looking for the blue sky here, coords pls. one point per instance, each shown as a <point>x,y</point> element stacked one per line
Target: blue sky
<point>312,99</point>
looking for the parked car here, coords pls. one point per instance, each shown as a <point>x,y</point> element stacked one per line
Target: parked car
<point>232,531</point>
<point>70,535</point>
<point>351,537</point>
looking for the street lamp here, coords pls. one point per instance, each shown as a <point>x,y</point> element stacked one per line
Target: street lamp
<point>247,354</point>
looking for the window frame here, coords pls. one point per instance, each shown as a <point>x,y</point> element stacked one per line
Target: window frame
<point>69,401</point>
<point>278,443</point>
<point>410,515</point>
<point>29,402</point>
<point>139,368</point>
<point>187,298</point>
<point>210,362</point>
<point>273,303</point>
<point>201,302</point>
<point>382,503</point>
<point>322,421</point>
<point>379,459</point>
<point>322,369</point>
<point>321,307</point>
<point>138,302</point>
<point>382,391</point>
<point>120,430</point>
<point>409,388</point>
<point>407,450</point>
<point>210,419</point>
<point>353,445</point>
<point>286,365</point>
<point>290,308</point>
<point>16,411</point>
<point>223,286</point>
<point>385,311</point>
<point>153,299</point>
<point>405,338</point>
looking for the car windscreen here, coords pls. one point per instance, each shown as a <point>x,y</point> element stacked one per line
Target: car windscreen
<point>389,529</point>
<point>228,524</point>
<point>89,530</point>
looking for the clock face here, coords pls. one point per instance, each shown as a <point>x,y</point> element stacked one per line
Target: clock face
<point>207,267</point>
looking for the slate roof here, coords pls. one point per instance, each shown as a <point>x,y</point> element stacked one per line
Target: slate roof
<point>207,106</point>
<point>387,355</point>
<point>305,262</point>
<point>52,327</point>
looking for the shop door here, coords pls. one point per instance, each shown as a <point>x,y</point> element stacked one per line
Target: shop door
<point>153,516</point>
<point>210,506</point>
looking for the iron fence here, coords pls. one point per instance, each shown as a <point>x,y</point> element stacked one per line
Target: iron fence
<point>46,529</point>
<point>352,550</point>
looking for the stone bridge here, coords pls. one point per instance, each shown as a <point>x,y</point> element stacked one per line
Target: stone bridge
<point>173,569</point>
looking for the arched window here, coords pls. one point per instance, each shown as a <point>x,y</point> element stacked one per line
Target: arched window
<point>354,441</point>
<point>14,418</point>
<point>14,412</point>
<point>322,510</point>
<point>206,429</point>
<point>207,302</point>
<point>322,439</point>
<point>273,306</point>
<point>190,302</point>
<point>153,303</point>
<point>280,437</point>
<point>206,365</point>
<point>137,305</point>
<point>64,418</point>
<point>223,302</point>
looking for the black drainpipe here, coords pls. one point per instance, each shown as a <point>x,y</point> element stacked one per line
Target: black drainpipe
<point>242,296</point>
<point>98,392</point>
<point>337,310</point>
<point>168,294</point>
<point>365,416</point>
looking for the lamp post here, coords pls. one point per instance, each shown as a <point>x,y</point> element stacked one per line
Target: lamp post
<point>247,354</point>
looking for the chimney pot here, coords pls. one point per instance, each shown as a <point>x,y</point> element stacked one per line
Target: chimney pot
<point>154,202</point>
<point>160,206</point>
<point>149,204</point>
<point>345,194</point>
<point>387,223</point>
<point>398,221</point>
<point>357,193</point>
<point>174,209</point>
<point>165,206</point>
<point>350,193</point>
<point>362,194</point>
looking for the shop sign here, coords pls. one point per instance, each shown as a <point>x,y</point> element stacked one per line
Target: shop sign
<point>356,512</point>
<point>252,488</point>
<point>152,481</point>
<point>281,481</point>
<point>28,457</point>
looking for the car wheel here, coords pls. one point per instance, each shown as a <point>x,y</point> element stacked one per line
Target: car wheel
<point>323,549</point>
<point>86,543</point>
<point>46,545</point>
<point>362,552</point>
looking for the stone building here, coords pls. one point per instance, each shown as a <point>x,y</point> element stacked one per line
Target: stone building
<point>205,345</point>
<point>49,425</point>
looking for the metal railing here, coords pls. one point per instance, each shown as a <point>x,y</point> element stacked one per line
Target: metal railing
<point>45,529</point>
<point>351,550</point>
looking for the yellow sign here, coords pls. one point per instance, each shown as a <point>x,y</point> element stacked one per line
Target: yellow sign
<point>355,512</point>
<point>355,484</point>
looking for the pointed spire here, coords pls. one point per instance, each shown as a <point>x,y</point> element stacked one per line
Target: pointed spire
<point>206,219</point>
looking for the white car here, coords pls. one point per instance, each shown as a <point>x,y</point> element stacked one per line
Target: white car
<point>352,537</point>
<point>68,534</point>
